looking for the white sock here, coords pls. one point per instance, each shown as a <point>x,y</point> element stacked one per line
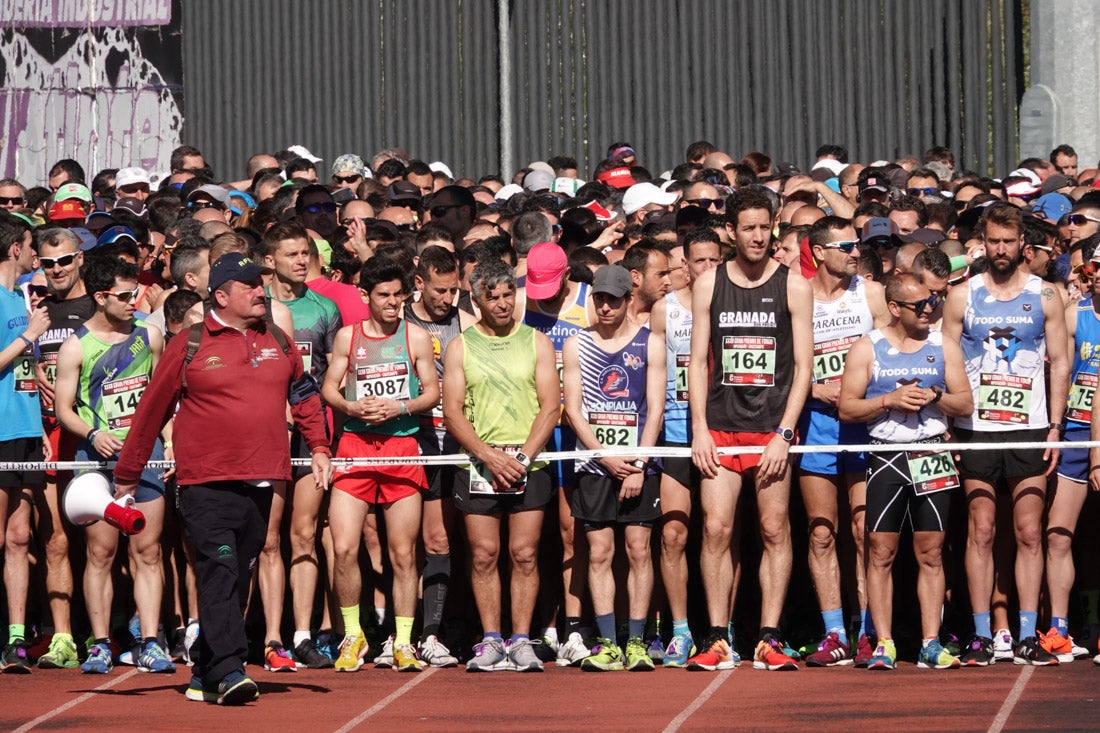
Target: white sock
<point>299,637</point>
<point>551,634</point>
<point>380,615</point>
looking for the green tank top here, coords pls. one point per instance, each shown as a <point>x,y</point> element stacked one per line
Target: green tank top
<point>112,379</point>
<point>382,367</point>
<point>501,400</point>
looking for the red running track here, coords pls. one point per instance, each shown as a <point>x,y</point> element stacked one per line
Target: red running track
<point>1003,697</point>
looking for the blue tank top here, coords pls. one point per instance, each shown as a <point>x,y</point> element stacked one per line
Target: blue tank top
<point>892,369</point>
<point>18,390</point>
<point>614,395</point>
<point>572,319</point>
<point>677,425</point>
<point>1004,349</point>
<point>1086,357</point>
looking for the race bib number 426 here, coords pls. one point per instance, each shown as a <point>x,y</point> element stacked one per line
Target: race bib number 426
<point>932,471</point>
<point>748,360</point>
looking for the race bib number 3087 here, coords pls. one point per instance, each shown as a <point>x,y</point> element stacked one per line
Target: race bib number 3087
<point>382,380</point>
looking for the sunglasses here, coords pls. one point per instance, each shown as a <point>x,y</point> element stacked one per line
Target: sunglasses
<point>132,188</point>
<point>845,247</point>
<point>1048,250</point>
<point>9,200</point>
<point>353,178</point>
<point>717,204</point>
<point>327,207</point>
<point>1080,219</point>
<point>38,291</point>
<point>48,263</point>
<point>1086,271</point>
<point>205,205</point>
<point>884,243</point>
<point>920,307</point>
<point>926,191</point>
<point>442,209</point>
<point>959,280</point>
<point>124,296</point>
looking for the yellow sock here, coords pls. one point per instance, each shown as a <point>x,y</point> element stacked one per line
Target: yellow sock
<point>350,615</point>
<point>403,633</point>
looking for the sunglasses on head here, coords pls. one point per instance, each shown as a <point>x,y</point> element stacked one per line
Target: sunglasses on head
<point>350,178</point>
<point>9,200</point>
<point>1085,271</point>
<point>718,204</point>
<point>926,191</point>
<point>327,207</point>
<point>959,280</point>
<point>1080,219</point>
<point>919,307</point>
<point>845,247</point>
<point>124,296</point>
<point>442,209</point>
<point>48,263</point>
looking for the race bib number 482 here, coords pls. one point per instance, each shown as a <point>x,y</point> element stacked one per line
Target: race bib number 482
<point>1004,398</point>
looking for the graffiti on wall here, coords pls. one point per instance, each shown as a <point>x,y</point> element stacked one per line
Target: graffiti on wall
<point>98,81</point>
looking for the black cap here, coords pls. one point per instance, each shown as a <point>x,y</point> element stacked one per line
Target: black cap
<point>234,266</point>
<point>403,191</point>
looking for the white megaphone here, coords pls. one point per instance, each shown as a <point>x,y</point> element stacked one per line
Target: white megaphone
<point>88,499</point>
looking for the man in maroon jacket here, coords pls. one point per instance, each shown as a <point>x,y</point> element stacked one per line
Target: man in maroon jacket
<point>231,445</point>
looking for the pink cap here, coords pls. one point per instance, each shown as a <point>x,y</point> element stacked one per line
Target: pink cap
<point>546,264</point>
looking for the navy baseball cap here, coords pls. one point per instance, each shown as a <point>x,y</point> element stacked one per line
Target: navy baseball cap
<point>234,266</point>
<point>114,234</point>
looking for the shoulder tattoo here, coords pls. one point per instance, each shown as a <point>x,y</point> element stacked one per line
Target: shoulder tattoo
<point>1047,293</point>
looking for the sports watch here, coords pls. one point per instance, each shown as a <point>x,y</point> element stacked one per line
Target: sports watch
<point>786,434</point>
<point>523,459</point>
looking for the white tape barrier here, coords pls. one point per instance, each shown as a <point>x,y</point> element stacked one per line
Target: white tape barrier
<point>461,459</point>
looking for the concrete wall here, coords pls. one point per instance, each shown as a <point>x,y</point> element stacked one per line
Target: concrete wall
<point>1062,105</point>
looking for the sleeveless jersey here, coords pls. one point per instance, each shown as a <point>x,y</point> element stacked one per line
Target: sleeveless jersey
<point>501,399</point>
<point>1086,358</point>
<point>752,354</point>
<point>614,393</point>
<point>112,379</point>
<point>892,369</point>
<point>837,325</point>
<point>381,367</point>
<point>1004,349</point>
<point>65,317</point>
<point>316,321</point>
<point>18,389</point>
<point>677,353</point>
<point>558,327</point>
<point>442,332</point>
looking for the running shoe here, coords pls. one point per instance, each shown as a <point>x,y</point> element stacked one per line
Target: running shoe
<point>190,638</point>
<point>950,642</point>
<point>196,692</point>
<point>1055,644</point>
<point>237,688</point>
<point>1003,645</point>
<point>406,659</point>
<point>831,652</point>
<point>98,661</point>
<point>546,649</point>
<point>352,651</point>
<point>15,659</point>
<point>328,644</point>
<point>978,653</point>
<point>489,656</point>
<point>606,657</point>
<point>638,657</point>
<point>771,655</point>
<point>655,646</point>
<point>178,654</point>
<point>885,656</point>
<point>278,659</point>
<point>61,654</point>
<point>385,659</point>
<point>716,655</point>
<point>934,656</point>
<point>680,649</point>
<point>306,654</point>
<point>865,649</point>
<point>521,653</point>
<point>1028,651</point>
<point>152,658</point>
<point>436,654</point>
<point>573,651</point>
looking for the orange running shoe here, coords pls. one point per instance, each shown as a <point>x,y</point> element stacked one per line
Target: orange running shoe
<point>716,655</point>
<point>1057,645</point>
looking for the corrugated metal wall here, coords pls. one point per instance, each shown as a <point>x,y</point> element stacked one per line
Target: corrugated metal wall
<point>884,77</point>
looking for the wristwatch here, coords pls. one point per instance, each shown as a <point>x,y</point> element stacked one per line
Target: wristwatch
<point>786,434</point>
<point>523,459</point>
<point>639,464</point>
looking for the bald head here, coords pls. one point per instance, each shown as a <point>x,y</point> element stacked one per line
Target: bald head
<point>903,260</point>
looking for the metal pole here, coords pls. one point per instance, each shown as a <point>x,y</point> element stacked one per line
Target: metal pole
<point>504,46</point>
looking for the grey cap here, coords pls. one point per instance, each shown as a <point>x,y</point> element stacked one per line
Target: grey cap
<point>613,280</point>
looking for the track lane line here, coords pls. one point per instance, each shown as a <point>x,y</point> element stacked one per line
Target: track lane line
<point>1010,701</point>
<point>73,703</point>
<point>698,702</point>
<point>381,704</point>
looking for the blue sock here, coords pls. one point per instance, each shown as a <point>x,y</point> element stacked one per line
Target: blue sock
<point>866,623</point>
<point>1028,620</point>
<point>635,627</point>
<point>493,635</point>
<point>517,637</point>
<point>681,628</point>
<point>834,622</point>
<point>1062,624</point>
<point>981,625</point>
<point>605,626</point>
